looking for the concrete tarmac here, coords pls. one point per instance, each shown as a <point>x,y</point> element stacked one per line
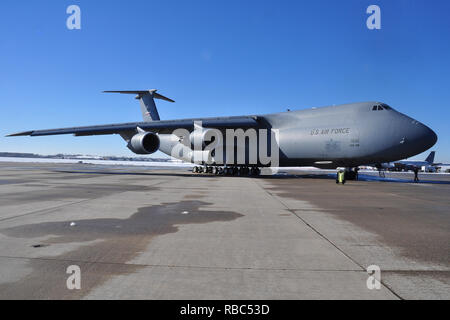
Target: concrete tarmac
<point>137,233</point>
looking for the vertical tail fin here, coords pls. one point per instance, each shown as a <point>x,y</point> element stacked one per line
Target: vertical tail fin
<point>147,102</point>
<point>430,158</point>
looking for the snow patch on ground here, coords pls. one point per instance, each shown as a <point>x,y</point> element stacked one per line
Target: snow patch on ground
<point>98,162</point>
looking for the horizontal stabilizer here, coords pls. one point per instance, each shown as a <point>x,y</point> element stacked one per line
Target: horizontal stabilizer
<point>147,102</point>
<point>140,93</point>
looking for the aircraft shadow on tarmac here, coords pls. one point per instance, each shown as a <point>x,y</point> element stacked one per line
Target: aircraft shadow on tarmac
<point>328,176</point>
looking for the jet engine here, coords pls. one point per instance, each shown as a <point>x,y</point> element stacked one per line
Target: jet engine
<point>144,143</point>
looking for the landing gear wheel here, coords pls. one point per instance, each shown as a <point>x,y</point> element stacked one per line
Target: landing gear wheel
<point>350,175</point>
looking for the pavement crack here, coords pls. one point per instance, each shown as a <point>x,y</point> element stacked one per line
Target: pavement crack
<point>176,266</point>
<point>64,205</point>
<point>277,198</point>
<point>43,210</point>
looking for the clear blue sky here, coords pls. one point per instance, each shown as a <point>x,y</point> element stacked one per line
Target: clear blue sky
<point>215,58</point>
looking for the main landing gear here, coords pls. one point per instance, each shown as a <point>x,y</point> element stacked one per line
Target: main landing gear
<point>228,171</point>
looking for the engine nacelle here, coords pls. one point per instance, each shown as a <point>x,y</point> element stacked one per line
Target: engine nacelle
<point>144,143</point>
<point>171,144</point>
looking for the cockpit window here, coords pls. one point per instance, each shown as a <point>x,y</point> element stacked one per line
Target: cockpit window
<point>382,106</point>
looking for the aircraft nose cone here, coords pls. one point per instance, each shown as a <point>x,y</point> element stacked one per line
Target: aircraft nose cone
<point>424,137</point>
<point>431,136</point>
<point>413,136</point>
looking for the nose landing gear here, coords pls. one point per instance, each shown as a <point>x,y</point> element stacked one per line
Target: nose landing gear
<point>348,174</point>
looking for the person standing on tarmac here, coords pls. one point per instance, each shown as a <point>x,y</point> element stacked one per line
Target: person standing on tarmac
<point>340,177</point>
<point>356,173</point>
<point>416,174</point>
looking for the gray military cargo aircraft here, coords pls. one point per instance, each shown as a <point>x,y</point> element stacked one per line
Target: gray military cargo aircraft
<point>346,136</point>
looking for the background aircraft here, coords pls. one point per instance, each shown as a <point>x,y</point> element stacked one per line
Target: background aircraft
<point>428,165</point>
<point>328,137</point>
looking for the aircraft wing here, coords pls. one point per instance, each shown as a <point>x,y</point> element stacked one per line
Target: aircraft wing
<point>165,126</point>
